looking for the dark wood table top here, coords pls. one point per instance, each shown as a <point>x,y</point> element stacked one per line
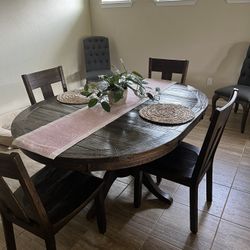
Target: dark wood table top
<point>126,142</point>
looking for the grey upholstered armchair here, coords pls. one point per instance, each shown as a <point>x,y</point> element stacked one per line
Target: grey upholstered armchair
<point>97,57</point>
<point>244,91</point>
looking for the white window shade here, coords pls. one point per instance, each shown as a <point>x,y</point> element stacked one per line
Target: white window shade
<point>116,3</point>
<point>174,2</point>
<point>238,1</point>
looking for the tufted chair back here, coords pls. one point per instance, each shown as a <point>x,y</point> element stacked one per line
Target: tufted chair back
<point>96,50</point>
<point>244,78</point>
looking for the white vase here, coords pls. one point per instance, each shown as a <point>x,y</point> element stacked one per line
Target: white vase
<point>121,101</point>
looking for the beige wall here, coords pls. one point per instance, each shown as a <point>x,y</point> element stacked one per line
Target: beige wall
<point>213,35</point>
<point>35,35</point>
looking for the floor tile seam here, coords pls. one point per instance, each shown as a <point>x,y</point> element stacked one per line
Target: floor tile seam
<point>240,190</point>
<point>224,203</point>
<point>120,180</point>
<point>225,161</point>
<point>204,179</point>
<point>176,190</point>
<point>235,174</point>
<point>220,184</point>
<point>200,210</point>
<point>164,241</point>
<point>119,193</point>
<point>153,227</point>
<point>163,210</point>
<point>243,150</point>
<point>170,243</point>
<point>234,223</point>
<point>223,210</point>
<point>216,231</point>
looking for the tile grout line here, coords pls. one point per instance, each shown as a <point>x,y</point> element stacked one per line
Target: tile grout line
<point>149,233</point>
<point>231,187</point>
<point>234,223</point>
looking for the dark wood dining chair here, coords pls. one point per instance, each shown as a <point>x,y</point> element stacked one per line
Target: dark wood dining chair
<point>188,164</point>
<point>96,57</point>
<point>44,203</point>
<point>243,85</point>
<point>168,67</point>
<point>43,80</point>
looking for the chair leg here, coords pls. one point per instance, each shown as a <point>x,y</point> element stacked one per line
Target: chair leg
<point>50,243</point>
<point>100,212</point>
<point>244,117</point>
<point>8,234</point>
<point>138,188</point>
<point>194,209</point>
<point>236,107</point>
<point>209,184</point>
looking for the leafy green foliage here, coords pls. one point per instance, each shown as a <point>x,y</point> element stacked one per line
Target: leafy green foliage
<point>115,85</point>
<point>105,106</point>
<point>92,102</point>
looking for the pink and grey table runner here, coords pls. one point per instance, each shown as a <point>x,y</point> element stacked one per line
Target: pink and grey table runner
<point>54,138</point>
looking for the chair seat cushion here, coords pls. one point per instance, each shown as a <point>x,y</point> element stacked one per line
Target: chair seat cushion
<point>5,126</point>
<point>61,192</point>
<point>243,95</point>
<point>5,137</point>
<point>93,75</point>
<point>177,166</point>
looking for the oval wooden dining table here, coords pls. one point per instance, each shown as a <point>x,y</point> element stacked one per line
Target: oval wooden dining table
<point>120,146</point>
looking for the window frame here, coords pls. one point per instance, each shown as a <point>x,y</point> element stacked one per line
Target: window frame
<point>174,2</point>
<point>116,3</point>
<point>237,1</point>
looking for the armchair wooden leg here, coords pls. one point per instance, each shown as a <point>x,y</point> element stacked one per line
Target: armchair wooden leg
<point>138,188</point>
<point>100,212</point>
<point>194,209</point>
<point>209,184</point>
<point>244,117</point>
<point>8,234</point>
<point>236,107</point>
<point>50,243</point>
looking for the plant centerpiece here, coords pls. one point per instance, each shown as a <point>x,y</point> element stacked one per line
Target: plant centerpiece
<point>112,89</point>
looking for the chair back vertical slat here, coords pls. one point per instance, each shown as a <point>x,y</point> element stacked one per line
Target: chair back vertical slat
<point>212,139</point>
<point>168,67</point>
<point>11,166</point>
<point>43,79</point>
<point>8,202</point>
<point>47,91</point>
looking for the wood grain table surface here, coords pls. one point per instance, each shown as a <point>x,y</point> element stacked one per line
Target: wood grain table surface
<point>126,142</point>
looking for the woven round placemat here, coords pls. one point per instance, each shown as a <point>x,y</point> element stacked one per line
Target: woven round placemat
<point>72,97</point>
<point>172,114</point>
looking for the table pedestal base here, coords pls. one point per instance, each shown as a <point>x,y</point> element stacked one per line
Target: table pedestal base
<point>140,178</point>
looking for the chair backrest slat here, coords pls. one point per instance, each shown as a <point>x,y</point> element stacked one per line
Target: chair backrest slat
<point>213,136</point>
<point>11,166</point>
<point>43,79</point>
<point>168,67</point>
<point>8,202</point>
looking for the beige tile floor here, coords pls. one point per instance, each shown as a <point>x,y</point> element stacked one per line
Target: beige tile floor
<point>223,225</point>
